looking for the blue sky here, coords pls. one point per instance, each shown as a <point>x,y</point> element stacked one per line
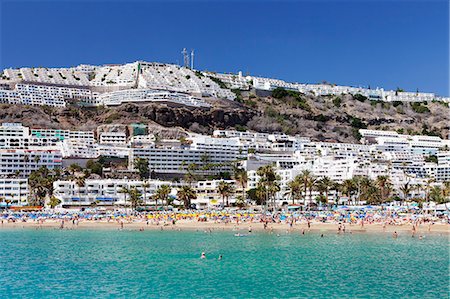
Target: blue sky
<point>378,43</point>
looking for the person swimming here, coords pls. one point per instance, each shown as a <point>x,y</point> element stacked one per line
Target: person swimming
<point>203,256</point>
<point>220,257</point>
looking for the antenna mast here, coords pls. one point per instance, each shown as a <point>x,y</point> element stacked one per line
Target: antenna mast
<point>185,58</point>
<point>192,59</point>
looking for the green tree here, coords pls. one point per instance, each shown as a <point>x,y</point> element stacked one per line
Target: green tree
<point>226,190</point>
<point>162,194</point>
<point>186,194</point>
<point>240,176</point>
<point>95,167</point>
<point>406,190</point>
<point>53,202</point>
<point>268,181</point>
<point>384,184</point>
<point>323,186</point>
<point>142,166</point>
<point>73,168</point>
<point>135,197</point>
<point>295,189</point>
<point>125,191</point>
<point>347,188</point>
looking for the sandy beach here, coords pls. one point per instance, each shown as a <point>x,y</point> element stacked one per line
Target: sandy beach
<point>441,228</point>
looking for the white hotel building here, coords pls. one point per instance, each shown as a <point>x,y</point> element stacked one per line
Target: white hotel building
<point>14,135</point>
<point>57,96</point>
<point>105,192</point>
<point>22,162</point>
<point>204,150</point>
<point>63,134</point>
<point>13,190</point>
<point>208,195</point>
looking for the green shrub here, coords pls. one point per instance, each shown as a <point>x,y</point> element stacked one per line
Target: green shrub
<point>337,102</point>
<point>360,97</point>
<point>432,159</point>
<point>219,82</point>
<point>250,103</point>
<point>279,93</point>
<point>240,128</point>
<point>357,123</point>
<point>321,118</point>
<point>419,108</point>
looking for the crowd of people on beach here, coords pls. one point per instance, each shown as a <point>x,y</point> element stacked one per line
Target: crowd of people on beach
<point>166,218</point>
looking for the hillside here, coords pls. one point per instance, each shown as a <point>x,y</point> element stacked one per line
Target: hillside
<point>323,118</point>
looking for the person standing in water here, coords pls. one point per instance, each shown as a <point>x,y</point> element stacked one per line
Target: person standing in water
<point>203,256</point>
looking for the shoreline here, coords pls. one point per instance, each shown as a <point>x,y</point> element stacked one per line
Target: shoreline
<point>181,225</point>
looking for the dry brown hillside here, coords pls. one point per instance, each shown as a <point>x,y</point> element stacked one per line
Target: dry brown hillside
<point>326,118</point>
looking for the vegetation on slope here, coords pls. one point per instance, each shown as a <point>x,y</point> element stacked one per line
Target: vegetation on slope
<point>323,118</point>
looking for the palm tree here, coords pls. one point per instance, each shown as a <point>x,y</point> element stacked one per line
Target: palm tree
<point>437,195</point>
<point>335,186</point>
<point>125,191</point>
<point>311,186</point>
<point>323,186</point>
<point>347,187</point>
<point>383,182</point>
<point>268,181</point>
<point>304,177</point>
<point>405,189</point>
<point>225,190</point>
<point>80,182</point>
<point>294,189</point>
<point>186,194</point>
<point>240,175</point>
<point>135,197</point>
<point>417,188</point>
<point>446,188</point>
<point>162,193</point>
<point>429,182</point>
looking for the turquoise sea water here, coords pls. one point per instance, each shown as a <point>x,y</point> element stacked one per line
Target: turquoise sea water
<point>154,264</point>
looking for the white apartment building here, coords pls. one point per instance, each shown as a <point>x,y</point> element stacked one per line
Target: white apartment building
<point>208,195</point>
<point>14,135</point>
<point>392,141</point>
<point>22,162</point>
<point>79,148</point>
<point>211,155</point>
<point>31,94</point>
<point>13,190</point>
<point>149,95</point>
<point>113,138</point>
<point>337,90</point>
<point>63,134</point>
<point>112,150</point>
<point>106,192</point>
